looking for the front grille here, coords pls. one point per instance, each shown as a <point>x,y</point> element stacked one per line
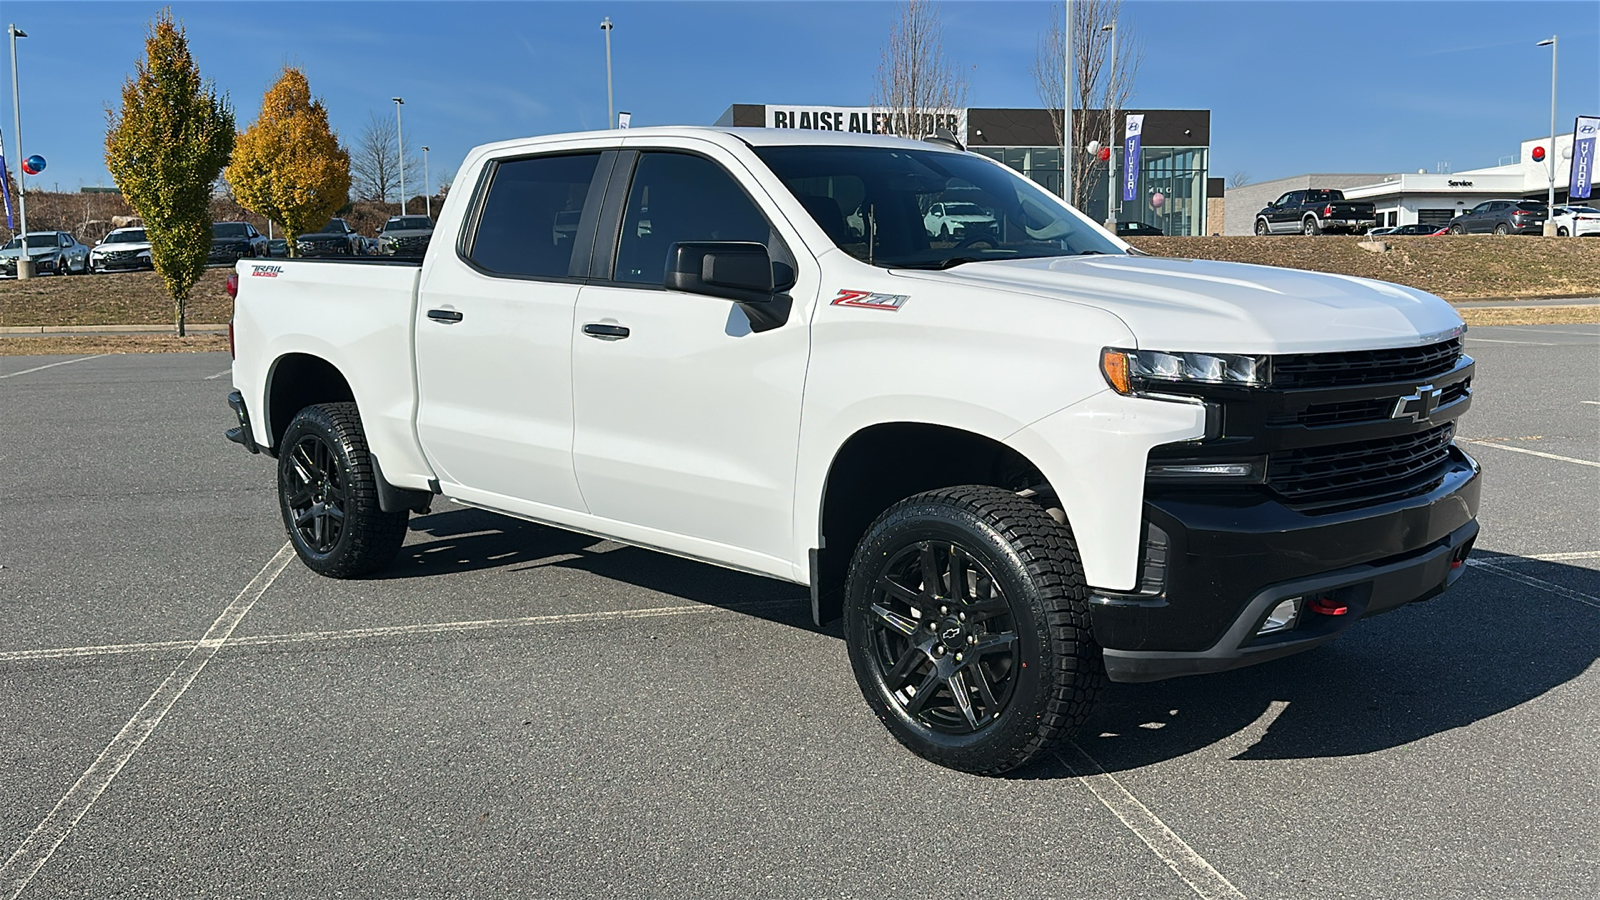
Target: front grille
<point>1357,367</point>
<point>1363,470</point>
<point>411,244</point>
<point>1322,415</point>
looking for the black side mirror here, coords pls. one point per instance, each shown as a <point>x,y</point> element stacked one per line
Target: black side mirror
<point>734,270</point>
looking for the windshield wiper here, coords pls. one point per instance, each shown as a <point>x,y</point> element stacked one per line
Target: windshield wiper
<point>950,263</point>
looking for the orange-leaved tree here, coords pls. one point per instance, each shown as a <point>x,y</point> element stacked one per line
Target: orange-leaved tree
<point>165,148</point>
<point>288,165</point>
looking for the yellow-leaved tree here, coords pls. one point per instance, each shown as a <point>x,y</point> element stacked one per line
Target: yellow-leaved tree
<point>288,165</point>
<point>165,148</point>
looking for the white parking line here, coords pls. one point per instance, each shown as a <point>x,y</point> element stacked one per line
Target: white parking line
<point>219,374</point>
<point>1552,587</point>
<point>1188,865</point>
<point>1543,331</point>
<point>1528,343</point>
<point>1497,446</point>
<point>48,835</point>
<point>306,637</point>
<point>52,365</point>
<point>1591,402</point>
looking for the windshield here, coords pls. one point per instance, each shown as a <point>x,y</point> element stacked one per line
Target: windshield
<point>229,230</point>
<point>1530,205</point>
<point>35,241</point>
<point>126,237</point>
<point>334,226</point>
<point>876,203</point>
<point>1583,210</point>
<point>409,223</point>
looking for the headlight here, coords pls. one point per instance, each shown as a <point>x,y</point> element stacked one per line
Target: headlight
<point>1134,371</point>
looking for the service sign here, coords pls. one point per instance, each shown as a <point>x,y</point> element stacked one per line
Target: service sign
<point>866,120</point>
<point>1585,132</point>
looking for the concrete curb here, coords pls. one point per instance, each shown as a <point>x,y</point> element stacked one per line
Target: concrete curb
<point>207,328</point>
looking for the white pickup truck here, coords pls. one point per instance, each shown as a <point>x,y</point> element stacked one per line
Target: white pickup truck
<point>1016,462</point>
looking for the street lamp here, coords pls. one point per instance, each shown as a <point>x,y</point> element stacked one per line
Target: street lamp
<point>611,114</point>
<point>1112,140</point>
<point>24,262</point>
<point>1066,104</point>
<point>400,138</point>
<point>1550,201</point>
<point>427,183</point>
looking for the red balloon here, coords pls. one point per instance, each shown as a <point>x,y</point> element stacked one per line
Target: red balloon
<point>1538,154</point>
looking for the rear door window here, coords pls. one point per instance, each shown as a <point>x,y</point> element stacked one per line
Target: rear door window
<point>529,222</point>
<point>679,197</point>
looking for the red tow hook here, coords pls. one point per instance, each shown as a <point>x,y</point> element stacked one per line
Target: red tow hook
<point>1327,607</point>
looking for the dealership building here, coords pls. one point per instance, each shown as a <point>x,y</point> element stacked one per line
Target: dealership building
<point>1175,190</point>
<point>1423,197</point>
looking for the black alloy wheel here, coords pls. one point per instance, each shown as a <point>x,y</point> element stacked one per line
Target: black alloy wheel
<point>967,624</point>
<point>1261,228</point>
<point>328,494</point>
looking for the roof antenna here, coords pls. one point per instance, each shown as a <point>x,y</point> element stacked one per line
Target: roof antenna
<point>944,137</point>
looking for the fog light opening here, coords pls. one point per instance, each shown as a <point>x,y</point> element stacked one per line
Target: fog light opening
<point>1282,617</point>
<point>1326,606</point>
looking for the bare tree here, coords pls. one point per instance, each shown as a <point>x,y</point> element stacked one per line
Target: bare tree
<point>1098,82</point>
<point>375,163</point>
<point>918,87</point>
<point>1239,179</point>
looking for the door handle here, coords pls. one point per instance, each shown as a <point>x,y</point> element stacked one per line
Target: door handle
<point>606,332</point>
<point>447,316</point>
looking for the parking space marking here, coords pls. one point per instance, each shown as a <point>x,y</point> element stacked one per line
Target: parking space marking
<point>1552,587</point>
<point>1591,402</point>
<point>219,374</point>
<point>1182,859</point>
<point>1528,343</point>
<point>70,809</point>
<point>306,637</point>
<point>1498,446</point>
<point>1543,331</point>
<point>1545,557</point>
<point>53,365</point>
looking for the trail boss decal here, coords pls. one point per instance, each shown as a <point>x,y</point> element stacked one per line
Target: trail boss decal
<point>265,271</point>
<point>869,300</point>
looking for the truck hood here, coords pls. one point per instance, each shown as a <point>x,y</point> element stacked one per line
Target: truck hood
<point>1190,304</point>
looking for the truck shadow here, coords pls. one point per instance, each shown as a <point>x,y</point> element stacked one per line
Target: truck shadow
<point>1500,638</point>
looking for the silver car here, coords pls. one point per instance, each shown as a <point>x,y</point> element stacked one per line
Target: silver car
<point>52,252</point>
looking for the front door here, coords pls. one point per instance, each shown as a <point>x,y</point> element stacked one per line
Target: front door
<point>687,421</point>
<point>494,340</point>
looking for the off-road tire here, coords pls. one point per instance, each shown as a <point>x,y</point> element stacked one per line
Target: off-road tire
<point>1052,677</point>
<point>341,476</point>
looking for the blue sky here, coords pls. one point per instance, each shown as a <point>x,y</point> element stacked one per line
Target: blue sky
<point>1293,86</point>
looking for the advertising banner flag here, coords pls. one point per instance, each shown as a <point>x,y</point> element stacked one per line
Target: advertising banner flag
<point>1584,133</point>
<point>1130,160</point>
<point>624,119</point>
<point>5,184</point>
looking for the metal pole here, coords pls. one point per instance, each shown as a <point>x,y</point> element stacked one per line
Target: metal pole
<point>1550,199</point>
<point>427,183</point>
<point>401,139</point>
<point>611,112</point>
<point>1114,142</point>
<point>1066,105</point>
<point>24,262</point>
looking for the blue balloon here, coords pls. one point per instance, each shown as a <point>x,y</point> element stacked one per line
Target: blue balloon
<point>33,165</point>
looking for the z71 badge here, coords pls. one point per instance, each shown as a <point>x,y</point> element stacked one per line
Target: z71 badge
<point>869,300</point>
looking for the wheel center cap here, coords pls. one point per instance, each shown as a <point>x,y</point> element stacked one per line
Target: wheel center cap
<point>952,631</point>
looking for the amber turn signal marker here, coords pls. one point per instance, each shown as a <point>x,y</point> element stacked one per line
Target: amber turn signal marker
<point>1114,365</point>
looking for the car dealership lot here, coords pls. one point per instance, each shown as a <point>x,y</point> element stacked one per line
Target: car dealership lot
<point>514,710</point>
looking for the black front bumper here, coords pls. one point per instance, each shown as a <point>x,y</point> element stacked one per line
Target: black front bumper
<point>1214,566</point>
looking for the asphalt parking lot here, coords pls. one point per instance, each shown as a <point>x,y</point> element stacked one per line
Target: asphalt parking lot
<point>511,710</point>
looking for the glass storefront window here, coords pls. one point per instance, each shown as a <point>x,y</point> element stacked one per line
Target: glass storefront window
<point>1178,174</point>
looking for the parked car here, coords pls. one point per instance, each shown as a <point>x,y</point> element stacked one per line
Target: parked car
<point>233,241</point>
<point>336,238</point>
<point>122,250</point>
<point>1577,221</point>
<point>750,384</point>
<point>957,220</point>
<point>408,235</point>
<point>1137,229</point>
<point>277,247</point>
<point>52,252</point>
<point>1501,217</point>
<point>1414,229</point>
<point>1315,212</point>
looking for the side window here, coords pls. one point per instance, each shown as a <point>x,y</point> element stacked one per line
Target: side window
<point>1284,200</point>
<point>530,216</point>
<point>677,197</point>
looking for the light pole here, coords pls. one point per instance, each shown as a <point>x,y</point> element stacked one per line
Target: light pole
<point>611,114</point>
<point>1066,104</point>
<point>24,263</point>
<point>1112,141</point>
<point>427,183</point>
<point>400,138</point>
<point>1550,152</point>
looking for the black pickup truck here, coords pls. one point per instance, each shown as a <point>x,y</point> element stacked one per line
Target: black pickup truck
<point>1314,212</point>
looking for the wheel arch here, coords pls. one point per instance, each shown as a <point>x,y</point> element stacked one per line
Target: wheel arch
<point>881,464</point>
<point>295,381</point>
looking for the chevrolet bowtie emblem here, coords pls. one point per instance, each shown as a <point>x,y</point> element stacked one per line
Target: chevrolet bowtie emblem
<point>1419,406</point>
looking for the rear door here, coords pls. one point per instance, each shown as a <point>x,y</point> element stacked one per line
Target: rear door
<point>494,335</point>
<point>687,420</point>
